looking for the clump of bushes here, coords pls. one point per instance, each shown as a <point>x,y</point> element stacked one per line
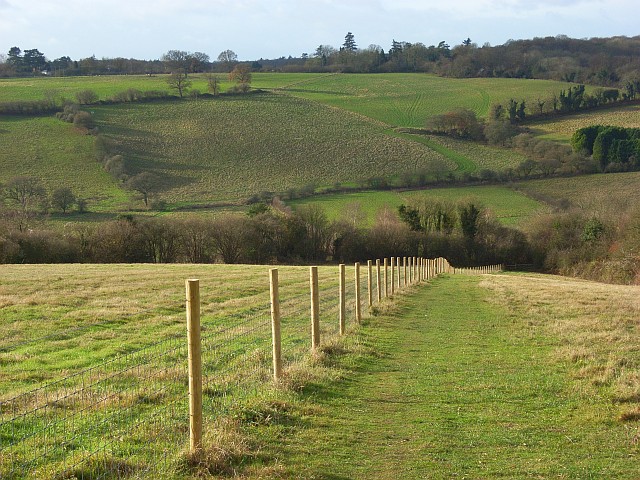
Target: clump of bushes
<point>81,119</point>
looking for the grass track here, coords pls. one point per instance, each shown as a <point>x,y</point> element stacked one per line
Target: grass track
<point>457,389</point>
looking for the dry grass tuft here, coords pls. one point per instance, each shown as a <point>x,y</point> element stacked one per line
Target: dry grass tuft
<point>630,416</point>
<point>224,448</point>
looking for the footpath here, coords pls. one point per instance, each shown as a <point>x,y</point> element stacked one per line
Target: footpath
<point>453,388</point>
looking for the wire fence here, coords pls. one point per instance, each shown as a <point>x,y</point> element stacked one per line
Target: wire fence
<point>128,416</point>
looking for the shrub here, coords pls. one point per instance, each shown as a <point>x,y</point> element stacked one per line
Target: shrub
<point>86,97</point>
<point>83,120</point>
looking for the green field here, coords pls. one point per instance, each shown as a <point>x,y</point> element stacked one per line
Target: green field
<point>55,152</point>
<point>562,128</point>
<point>509,206</point>
<point>233,147</point>
<point>312,129</point>
<point>612,193</point>
<point>408,100</point>
<point>466,376</point>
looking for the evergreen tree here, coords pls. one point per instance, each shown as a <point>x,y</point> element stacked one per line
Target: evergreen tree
<point>349,43</point>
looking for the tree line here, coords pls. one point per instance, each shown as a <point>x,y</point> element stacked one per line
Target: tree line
<point>267,234</point>
<point>608,62</point>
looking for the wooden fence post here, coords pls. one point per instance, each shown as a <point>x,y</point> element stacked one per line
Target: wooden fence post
<point>412,270</point>
<point>357,284</point>
<point>343,309</point>
<point>398,263</point>
<point>370,282</point>
<point>404,264</point>
<point>386,277</point>
<point>275,324</point>
<point>393,275</point>
<point>378,281</point>
<point>315,308</point>
<point>195,365</point>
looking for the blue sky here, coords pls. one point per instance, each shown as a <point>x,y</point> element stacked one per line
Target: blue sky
<point>255,29</point>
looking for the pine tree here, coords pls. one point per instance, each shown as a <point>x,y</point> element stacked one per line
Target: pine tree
<point>349,43</point>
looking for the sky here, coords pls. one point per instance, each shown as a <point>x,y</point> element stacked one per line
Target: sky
<point>254,29</point>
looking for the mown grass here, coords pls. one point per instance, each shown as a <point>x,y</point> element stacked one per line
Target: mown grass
<point>232,147</point>
<point>509,206</point>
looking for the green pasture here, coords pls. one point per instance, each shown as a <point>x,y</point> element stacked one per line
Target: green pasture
<point>409,99</point>
<point>232,147</point>
<point>562,128</point>
<point>612,192</point>
<point>463,376</point>
<point>507,205</point>
<point>59,155</point>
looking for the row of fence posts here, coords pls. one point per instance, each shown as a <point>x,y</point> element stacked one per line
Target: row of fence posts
<point>478,270</point>
<point>410,270</point>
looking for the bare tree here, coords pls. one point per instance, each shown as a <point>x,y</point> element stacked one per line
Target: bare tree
<point>241,74</point>
<point>26,193</point>
<point>178,81</point>
<point>228,57</point>
<point>213,84</point>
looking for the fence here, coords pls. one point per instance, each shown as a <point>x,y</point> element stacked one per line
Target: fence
<point>478,270</point>
<point>130,416</point>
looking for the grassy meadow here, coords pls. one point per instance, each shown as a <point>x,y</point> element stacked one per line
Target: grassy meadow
<point>232,147</point>
<point>509,206</point>
<point>466,376</point>
<point>562,128</point>
<point>317,129</point>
